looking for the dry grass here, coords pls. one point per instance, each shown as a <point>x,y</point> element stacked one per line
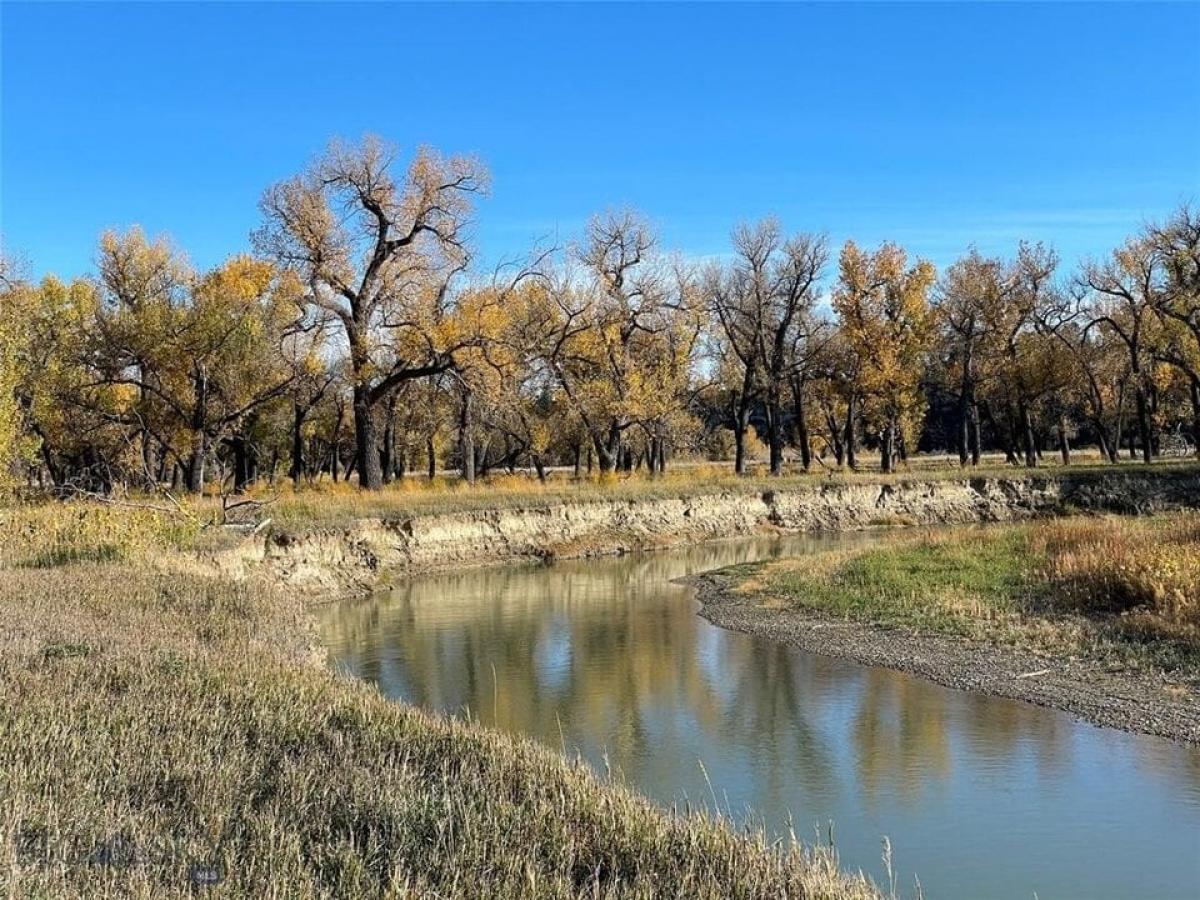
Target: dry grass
<point>160,729</point>
<point>1124,591</point>
<point>1145,572</point>
<point>44,535</point>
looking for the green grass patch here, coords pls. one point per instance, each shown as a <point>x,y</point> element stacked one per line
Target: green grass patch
<point>1122,591</point>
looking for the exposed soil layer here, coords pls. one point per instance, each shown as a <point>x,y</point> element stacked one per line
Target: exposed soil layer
<point>1132,701</point>
<point>355,559</point>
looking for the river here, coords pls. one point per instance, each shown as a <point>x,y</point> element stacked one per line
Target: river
<point>980,797</point>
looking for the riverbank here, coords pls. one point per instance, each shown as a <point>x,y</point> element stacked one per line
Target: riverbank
<point>1097,617</point>
<point>165,732</point>
<point>309,553</point>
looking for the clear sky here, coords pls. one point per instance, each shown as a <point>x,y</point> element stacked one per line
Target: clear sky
<point>934,125</point>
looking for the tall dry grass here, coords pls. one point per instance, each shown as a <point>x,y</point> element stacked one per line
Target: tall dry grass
<point>1145,571</point>
<point>47,534</point>
<point>163,730</point>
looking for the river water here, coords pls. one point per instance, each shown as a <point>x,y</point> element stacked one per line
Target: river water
<point>980,797</point>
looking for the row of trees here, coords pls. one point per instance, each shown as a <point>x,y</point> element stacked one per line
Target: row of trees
<point>356,340</point>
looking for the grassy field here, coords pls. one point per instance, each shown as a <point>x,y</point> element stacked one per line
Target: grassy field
<point>161,730</point>
<point>1124,591</point>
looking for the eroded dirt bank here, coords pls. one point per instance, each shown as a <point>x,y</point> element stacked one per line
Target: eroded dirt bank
<point>1143,702</point>
<point>337,561</point>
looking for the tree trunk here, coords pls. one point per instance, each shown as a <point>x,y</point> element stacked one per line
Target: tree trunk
<point>1195,385</point>
<point>370,472</point>
<point>1031,457</point>
<point>1143,414</point>
<point>466,438</point>
<point>976,439</point>
<point>835,437</point>
<point>964,425</point>
<point>1064,445</point>
<point>387,456</point>
<point>578,461</point>
<point>195,473</point>
<point>774,432</point>
<point>431,453</point>
<point>887,448</point>
<point>608,450</point>
<point>335,450</point>
<point>849,440</point>
<point>739,447</point>
<point>297,469</point>
<point>741,422</point>
<point>195,467</point>
<point>800,423</point>
<point>241,464</point>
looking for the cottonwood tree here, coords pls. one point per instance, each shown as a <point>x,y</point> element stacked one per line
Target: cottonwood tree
<point>1029,358</point>
<point>882,305</point>
<point>763,302</point>
<point>1176,248</point>
<point>305,353</point>
<point>1018,359</point>
<point>46,346</point>
<point>142,283</point>
<point>202,353</point>
<point>834,390</point>
<point>18,305</point>
<point>514,394</point>
<point>733,349</point>
<point>378,252</point>
<point>1125,294</point>
<point>966,300</point>
<point>610,329</point>
<point>1098,368</point>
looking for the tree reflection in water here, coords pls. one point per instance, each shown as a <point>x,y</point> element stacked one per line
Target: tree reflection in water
<point>607,658</point>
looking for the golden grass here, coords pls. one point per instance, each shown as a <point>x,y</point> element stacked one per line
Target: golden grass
<point>1145,571</point>
<point>47,534</point>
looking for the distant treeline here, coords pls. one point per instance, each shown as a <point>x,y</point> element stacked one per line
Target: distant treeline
<point>358,340</point>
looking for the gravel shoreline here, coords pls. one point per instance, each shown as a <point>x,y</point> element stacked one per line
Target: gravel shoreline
<point>1134,702</point>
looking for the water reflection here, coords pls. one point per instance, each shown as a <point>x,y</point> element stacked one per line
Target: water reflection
<point>980,796</point>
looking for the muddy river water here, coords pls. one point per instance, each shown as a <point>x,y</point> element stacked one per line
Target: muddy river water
<point>979,796</point>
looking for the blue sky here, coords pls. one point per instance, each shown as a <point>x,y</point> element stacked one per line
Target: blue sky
<point>934,125</point>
